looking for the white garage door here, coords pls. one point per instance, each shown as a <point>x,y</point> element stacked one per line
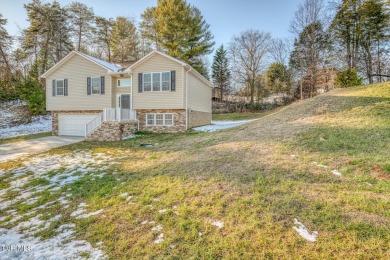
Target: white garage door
<point>73,125</point>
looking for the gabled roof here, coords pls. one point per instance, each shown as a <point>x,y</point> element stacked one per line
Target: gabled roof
<point>104,64</point>
<point>185,65</point>
<point>151,54</point>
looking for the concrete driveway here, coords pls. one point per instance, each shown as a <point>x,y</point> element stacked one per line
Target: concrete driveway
<point>15,150</point>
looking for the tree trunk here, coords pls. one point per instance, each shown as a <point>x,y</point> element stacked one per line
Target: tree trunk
<point>379,61</point>
<point>79,43</point>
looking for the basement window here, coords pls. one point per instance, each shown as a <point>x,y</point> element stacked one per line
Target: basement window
<point>159,119</point>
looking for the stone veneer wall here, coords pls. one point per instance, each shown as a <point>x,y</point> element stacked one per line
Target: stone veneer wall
<point>55,114</point>
<point>179,121</point>
<point>197,118</point>
<point>113,131</point>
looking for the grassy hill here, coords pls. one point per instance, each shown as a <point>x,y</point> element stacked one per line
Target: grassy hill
<point>235,193</point>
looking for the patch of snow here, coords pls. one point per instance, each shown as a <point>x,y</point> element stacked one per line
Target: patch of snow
<point>218,224</point>
<point>220,125</point>
<point>157,228</point>
<point>124,194</point>
<point>130,136</point>
<point>77,212</point>
<point>52,248</point>
<point>200,234</point>
<point>303,232</point>
<point>39,124</point>
<point>162,211</point>
<point>368,184</point>
<point>90,214</point>
<point>336,172</point>
<point>160,239</point>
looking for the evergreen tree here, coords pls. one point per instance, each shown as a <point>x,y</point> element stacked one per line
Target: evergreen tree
<point>47,39</point>
<point>124,41</point>
<point>309,53</point>
<point>81,18</point>
<point>220,71</point>
<point>5,47</point>
<point>103,35</point>
<point>278,78</point>
<point>374,26</point>
<point>179,29</point>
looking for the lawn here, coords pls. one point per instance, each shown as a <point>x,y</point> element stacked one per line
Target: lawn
<point>230,194</point>
<point>24,137</point>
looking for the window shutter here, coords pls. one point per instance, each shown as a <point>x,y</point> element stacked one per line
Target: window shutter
<point>173,80</point>
<point>89,90</point>
<point>139,82</point>
<point>65,87</point>
<point>54,87</point>
<point>102,85</point>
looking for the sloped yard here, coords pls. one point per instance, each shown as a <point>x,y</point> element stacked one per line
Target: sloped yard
<point>308,181</point>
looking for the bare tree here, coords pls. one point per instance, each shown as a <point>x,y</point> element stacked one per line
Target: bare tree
<point>280,50</point>
<point>248,52</point>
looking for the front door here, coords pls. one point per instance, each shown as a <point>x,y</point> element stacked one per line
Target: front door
<point>123,101</point>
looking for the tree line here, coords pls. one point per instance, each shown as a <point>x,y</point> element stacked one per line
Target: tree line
<point>350,37</point>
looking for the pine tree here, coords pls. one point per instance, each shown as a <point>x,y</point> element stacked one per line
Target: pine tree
<point>103,35</point>
<point>81,18</point>
<point>5,46</point>
<point>47,39</point>
<point>179,29</point>
<point>278,78</point>
<point>220,71</point>
<point>124,41</point>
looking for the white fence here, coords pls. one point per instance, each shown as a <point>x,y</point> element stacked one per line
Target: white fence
<point>119,114</point>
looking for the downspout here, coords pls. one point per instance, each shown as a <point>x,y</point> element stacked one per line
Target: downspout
<point>187,114</point>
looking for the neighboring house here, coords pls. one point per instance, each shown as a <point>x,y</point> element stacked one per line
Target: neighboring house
<point>102,101</point>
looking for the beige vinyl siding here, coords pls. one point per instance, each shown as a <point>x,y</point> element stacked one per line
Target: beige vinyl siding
<point>199,94</point>
<point>76,70</point>
<point>163,99</point>
<point>118,90</point>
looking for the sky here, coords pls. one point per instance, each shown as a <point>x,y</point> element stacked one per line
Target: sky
<point>226,17</point>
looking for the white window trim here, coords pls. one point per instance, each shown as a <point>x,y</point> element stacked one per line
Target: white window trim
<point>151,81</point>
<point>100,89</point>
<point>126,86</point>
<point>154,119</point>
<point>63,87</point>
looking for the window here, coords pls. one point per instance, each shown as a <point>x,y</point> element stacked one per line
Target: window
<point>159,119</point>
<point>157,81</point>
<point>166,81</point>
<point>60,87</point>
<point>168,119</point>
<point>96,85</point>
<point>147,82</point>
<point>150,119</point>
<point>124,82</point>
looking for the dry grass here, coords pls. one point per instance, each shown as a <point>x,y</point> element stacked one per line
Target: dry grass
<point>256,179</point>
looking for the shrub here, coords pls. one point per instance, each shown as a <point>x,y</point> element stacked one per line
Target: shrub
<point>348,78</point>
<point>33,93</point>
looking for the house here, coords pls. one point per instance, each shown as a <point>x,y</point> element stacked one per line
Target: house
<point>102,101</point>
